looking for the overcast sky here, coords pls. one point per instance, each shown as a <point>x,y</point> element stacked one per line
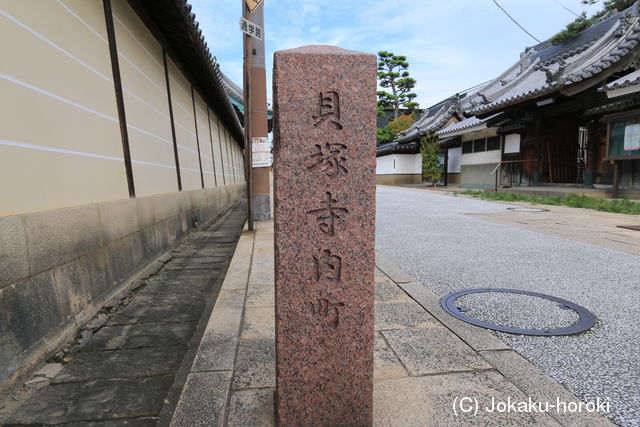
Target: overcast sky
<point>451,45</point>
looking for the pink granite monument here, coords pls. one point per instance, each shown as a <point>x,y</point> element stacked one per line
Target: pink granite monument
<point>324,166</point>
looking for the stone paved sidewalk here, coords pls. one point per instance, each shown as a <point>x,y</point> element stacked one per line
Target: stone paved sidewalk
<point>127,369</point>
<point>424,358</point>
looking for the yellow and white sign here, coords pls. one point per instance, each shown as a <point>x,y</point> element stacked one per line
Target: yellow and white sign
<point>252,4</point>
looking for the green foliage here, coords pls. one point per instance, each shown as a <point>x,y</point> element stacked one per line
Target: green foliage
<point>401,123</point>
<point>391,130</point>
<point>393,74</point>
<point>623,206</point>
<point>431,170</point>
<point>384,135</point>
<point>582,22</point>
<point>573,28</point>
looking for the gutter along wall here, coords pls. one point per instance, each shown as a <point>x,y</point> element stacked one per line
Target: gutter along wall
<point>70,235</point>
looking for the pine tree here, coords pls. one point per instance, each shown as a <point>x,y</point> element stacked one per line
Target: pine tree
<point>393,74</point>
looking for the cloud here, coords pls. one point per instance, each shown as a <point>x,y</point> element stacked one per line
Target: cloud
<point>450,45</point>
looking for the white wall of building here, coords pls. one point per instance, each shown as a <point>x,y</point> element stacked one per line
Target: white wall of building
<point>493,156</point>
<point>399,164</point>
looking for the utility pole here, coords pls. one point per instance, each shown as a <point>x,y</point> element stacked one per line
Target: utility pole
<point>247,120</point>
<point>256,122</point>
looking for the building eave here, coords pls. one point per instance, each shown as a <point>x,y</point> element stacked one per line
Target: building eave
<point>176,28</point>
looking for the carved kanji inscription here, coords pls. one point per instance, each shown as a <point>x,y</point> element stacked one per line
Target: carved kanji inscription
<point>327,214</point>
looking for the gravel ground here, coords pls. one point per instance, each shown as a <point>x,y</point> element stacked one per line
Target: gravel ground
<point>428,237</point>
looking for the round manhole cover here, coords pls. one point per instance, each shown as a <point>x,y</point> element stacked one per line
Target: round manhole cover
<point>527,209</point>
<point>518,312</point>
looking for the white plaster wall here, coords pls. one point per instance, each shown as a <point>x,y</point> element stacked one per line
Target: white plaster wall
<point>384,165</point>
<point>404,164</point>
<point>408,163</point>
<point>455,160</point>
<point>492,156</point>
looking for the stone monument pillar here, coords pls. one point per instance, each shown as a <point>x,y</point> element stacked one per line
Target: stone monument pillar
<point>324,195</point>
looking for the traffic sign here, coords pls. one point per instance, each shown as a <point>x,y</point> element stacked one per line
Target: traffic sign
<point>250,28</point>
<point>252,4</point>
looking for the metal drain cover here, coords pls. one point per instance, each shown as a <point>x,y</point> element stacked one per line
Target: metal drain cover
<point>527,209</point>
<point>585,319</point>
<point>630,227</point>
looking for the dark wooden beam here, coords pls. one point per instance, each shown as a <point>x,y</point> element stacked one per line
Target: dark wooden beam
<point>224,180</point>
<point>173,126</point>
<point>195,120</point>
<point>117,84</point>
<point>213,156</point>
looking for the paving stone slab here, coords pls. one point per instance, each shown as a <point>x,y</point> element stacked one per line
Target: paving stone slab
<point>478,338</point>
<point>259,322</point>
<point>433,350</point>
<point>429,401</point>
<point>210,267</point>
<point>181,312</point>
<point>387,291</point>
<point>392,270</point>
<point>541,387</point>
<point>203,400</point>
<point>168,296</point>
<point>386,363</point>
<point>94,400</point>
<point>207,251</point>
<point>217,349</point>
<point>402,315</point>
<point>186,276</point>
<point>138,422</point>
<point>260,296</point>
<point>49,370</point>
<point>144,335</point>
<point>133,363</point>
<point>255,364</point>
<point>253,407</point>
<point>200,258</point>
<point>178,286</point>
<point>222,236</point>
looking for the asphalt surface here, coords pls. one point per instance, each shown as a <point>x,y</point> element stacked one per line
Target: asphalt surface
<point>429,236</point>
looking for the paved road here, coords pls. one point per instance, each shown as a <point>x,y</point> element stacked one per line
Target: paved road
<point>429,235</point>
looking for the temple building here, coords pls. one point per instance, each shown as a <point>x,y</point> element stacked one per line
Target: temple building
<point>564,114</point>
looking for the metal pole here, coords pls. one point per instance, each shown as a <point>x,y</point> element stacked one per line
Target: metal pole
<point>260,177</point>
<point>247,121</point>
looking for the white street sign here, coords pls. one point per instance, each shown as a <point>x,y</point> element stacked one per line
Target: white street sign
<point>250,28</point>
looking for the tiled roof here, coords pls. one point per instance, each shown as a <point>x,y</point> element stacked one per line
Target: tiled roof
<point>465,124</point>
<point>546,68</point>
<point>623,82</point>
<point>395,148</point>
<point>437,117</point>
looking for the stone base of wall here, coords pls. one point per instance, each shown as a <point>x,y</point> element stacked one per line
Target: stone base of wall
<point>398,179</point>
<point>477,176</point>
<point>58,267</point>
<point>453,178</point>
